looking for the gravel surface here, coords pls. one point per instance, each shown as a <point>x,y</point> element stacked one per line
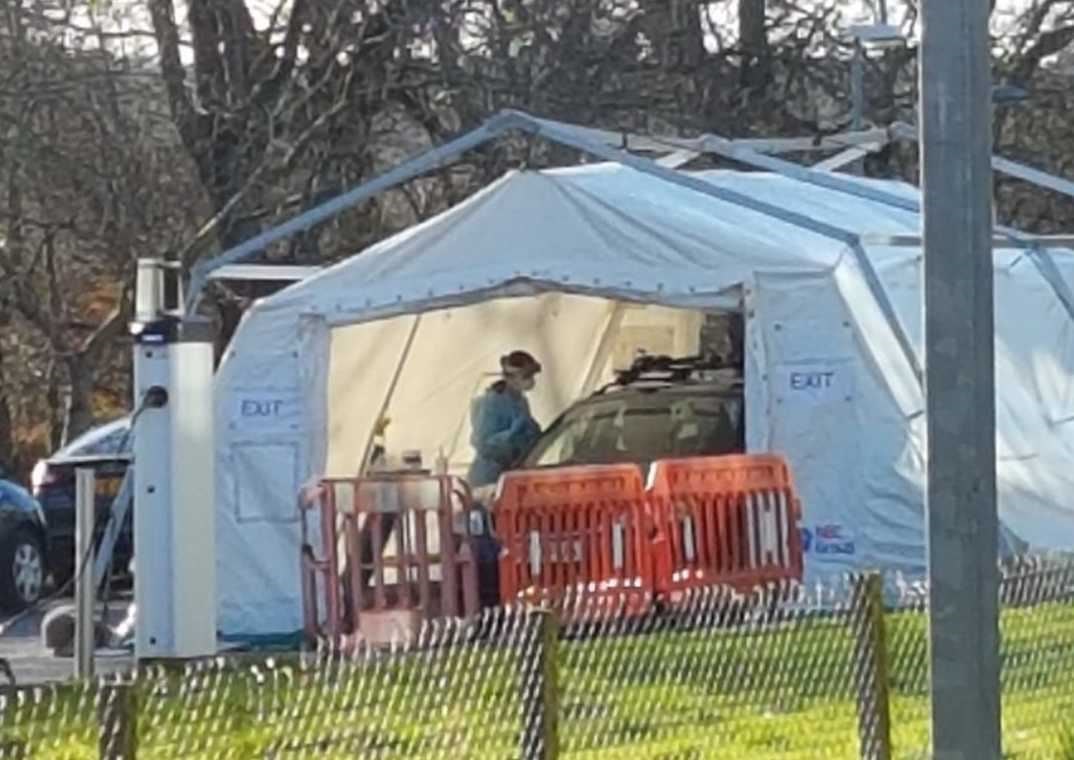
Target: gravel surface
<point>32,663</point>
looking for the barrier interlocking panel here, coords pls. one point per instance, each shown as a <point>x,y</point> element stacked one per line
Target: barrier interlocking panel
<point>727,519</point>
<point>576,528</point>
<point>394,551</point>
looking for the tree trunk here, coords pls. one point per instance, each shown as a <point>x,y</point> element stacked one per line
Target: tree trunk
<point>55,408</point>
<point>753,42</point>
<point>752,32</point>
<point>7,428</point>
<point>79,413</point>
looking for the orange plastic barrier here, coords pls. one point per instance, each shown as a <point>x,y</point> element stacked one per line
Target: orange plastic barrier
<point>373,595</point>
<point>576,529</point>
<point>727,519</point>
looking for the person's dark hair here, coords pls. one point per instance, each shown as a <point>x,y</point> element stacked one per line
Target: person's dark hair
<point>521,362</point>
<point>516,362</point>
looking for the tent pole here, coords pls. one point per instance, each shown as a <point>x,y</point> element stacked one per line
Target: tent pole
<point>596,143</point>
<point>678,159</point>
<point>415,167</point>
<point>496,126</point>
<point>751,152</point>
<point>389,394</point>
<point>846,157</point>
<point>908,133</point>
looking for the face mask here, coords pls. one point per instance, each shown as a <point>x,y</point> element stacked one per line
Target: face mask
<point>528,383</point>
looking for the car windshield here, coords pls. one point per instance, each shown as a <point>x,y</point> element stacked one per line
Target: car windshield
<point>633,429</point>
<point>114,438</point>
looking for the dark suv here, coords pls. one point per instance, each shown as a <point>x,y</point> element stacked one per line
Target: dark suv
<point>659,408</point>
<point>108,451</point>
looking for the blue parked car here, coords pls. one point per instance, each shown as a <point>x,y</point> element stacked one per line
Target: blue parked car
<point>108,451</point>
<point>23,541</point>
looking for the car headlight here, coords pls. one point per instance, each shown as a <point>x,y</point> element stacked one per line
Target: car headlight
<point>39,475</point>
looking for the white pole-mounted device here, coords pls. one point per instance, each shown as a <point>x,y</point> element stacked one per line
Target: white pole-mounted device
<point>174,504</point>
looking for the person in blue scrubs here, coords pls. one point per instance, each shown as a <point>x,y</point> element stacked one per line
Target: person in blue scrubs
<point>503,431</point>
<point>503,427</point>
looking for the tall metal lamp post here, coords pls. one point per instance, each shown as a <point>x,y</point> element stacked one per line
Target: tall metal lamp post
<point>963,527</point>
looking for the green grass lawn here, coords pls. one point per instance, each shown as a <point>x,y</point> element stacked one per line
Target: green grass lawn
<point>783,691</point>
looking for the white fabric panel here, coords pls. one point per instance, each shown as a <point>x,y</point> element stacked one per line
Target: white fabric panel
<point>363,359</point>
<point>256,476</point>
<point>891,411</point>
<point>812,383</point>
<point>257,499</point>
<point>1033,439</point>
<point>455,356</point>
<point>877,337</point>
<point>1048,355</point>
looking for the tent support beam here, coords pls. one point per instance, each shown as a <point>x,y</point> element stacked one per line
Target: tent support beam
<point>998,241</point>
<point>500,124</point>
<point>908,133</point>
<point>496,126</point>
<point>631,141</point>
<point>415,167</point>
<point>580,139</point>
<point>403,356</point>
<point>572,138</point>
<point>856,145</point>
<point>678,159</point>
<point>599,143</point>
<point>846,157</point>
<point>751,153</point>
<point>263,272</point>
<point>603,348</point>
<point>887,308</point>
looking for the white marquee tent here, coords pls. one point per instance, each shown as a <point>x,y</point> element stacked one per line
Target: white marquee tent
<point>559,262</point>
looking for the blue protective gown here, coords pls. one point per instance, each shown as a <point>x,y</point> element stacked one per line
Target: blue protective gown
<point>503,430</point>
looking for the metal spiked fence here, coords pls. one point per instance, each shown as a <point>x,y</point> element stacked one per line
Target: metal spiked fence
<point>838,671</point>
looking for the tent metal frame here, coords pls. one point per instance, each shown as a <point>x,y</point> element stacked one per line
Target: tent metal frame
<point>675,152</point>
<point>263,272</point>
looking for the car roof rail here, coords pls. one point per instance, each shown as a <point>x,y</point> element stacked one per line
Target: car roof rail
<point>660,370</point>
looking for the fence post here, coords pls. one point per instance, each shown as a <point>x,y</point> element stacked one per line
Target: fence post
<point>871,656</point>
<point>117,717</point>
<point>85,589</point>
<point>539,684</point>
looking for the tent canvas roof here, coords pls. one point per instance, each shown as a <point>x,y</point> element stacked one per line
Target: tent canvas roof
<point>601,229</point>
